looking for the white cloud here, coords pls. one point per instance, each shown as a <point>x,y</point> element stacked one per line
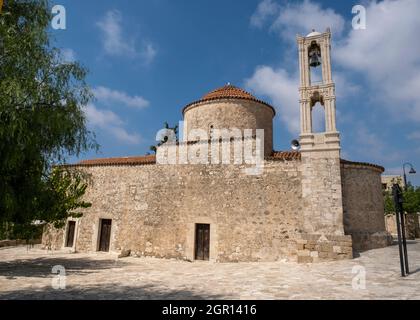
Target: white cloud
<point>148,53</point>
<point>387,55</point>
<point>344,87</point>
<point>368,145</point>
<point>281,88</point>
<point>110,123</point>
<point>414,135</point>
<point>393,171</point>
<point>68,55</point>
<point>265,10</point>
<point>279,85</point>
<point>301,18</point>
<point>109,96</point>
<point>117,44</point>
<point>113,41</point>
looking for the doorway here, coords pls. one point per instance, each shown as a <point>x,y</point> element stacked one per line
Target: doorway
<point>104,234</point>
<point>71,227</point>
<point>202,242</point>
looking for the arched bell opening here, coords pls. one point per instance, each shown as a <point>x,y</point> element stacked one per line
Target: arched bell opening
<point>314,56</point>
<point>318,122</point>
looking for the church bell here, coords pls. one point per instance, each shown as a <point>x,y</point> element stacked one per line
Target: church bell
<point>314,56</point>
<point>315,60</point>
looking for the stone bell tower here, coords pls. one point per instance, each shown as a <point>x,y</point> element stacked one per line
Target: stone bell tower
<point>321,174</point>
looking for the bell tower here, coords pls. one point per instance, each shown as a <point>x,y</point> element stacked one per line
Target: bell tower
<point>320,152</point>
<point>315,52</point>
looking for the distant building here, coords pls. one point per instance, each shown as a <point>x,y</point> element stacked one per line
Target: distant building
<point>389,180</point>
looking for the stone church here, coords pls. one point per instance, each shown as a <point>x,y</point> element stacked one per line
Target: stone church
<point>307,205</point>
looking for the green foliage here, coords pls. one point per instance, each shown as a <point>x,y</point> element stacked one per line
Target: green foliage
<point>20,231</point>
<point>165,139</point>
<point>41,118</point>
<point>64,191</point>
<point>388,203</point>
<point>411,198</point>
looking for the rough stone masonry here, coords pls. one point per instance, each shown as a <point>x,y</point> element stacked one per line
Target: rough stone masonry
<point>308,205</point>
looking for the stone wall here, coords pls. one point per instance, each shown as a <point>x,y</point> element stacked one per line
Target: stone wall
<point>226,114</point>
<point>13,243</point>
<point>363,206</point>
<point>154,209</point>
<point>412,225</point>
<point>316,248</point>
<point>321,192</point>
<point>52,238</point>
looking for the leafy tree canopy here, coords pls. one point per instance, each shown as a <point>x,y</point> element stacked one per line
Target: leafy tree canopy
<point>41,118</point>
<point>411,198</point>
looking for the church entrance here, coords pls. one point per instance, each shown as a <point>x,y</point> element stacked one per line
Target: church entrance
<point>71,227</point>
<point>105,235</point>
<point>202,242</point>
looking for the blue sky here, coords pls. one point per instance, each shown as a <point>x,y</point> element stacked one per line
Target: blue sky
<point>148,59</point>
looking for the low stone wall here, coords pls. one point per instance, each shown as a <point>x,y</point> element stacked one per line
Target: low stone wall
<point>13,243</point>
<point>52,238</point>
<point>318,248</point>
<point>365,240</point>
<point>412,225</point>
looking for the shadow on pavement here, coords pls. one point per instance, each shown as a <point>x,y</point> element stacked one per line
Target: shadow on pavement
<point>42,267</point>
<point>108,291</point>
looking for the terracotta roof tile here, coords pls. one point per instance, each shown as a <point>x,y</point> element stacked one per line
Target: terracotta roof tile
<point>285,155</point>
<point>141,160</point>
<point>228,92</point>
<point>366,164</point>
<point>151,159</point>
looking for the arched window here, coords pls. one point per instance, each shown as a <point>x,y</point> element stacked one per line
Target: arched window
<point>314,56</point>
<point>317,113</point>
<point>318,118</point>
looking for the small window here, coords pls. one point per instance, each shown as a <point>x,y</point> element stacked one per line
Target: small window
<point>211,128</point>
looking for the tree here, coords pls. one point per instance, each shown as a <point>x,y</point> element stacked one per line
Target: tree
<point>42,121</point>
<point>165,138</point>
<point>411,198</point>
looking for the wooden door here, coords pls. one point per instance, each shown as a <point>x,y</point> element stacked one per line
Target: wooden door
<point>202,242</point>
<point>70,233</point>
<point>105,235</point>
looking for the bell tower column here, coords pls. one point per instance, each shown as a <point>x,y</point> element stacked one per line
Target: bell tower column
<point>320,152</point>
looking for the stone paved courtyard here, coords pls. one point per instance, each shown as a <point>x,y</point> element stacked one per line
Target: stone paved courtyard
<point>26,274</point>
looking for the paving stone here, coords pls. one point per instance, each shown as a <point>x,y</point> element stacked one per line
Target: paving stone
<point>26,274</point>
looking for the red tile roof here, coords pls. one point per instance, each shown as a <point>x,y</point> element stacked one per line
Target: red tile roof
<point>141,160</point>
<point>151,159</point>
<point>365,164</point>
<point>285,155</point>
<point>228,92</point>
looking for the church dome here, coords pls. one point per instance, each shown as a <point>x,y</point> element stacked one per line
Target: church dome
<point>229,107</point>
<point>313,33</point>
<point>228,92</point>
